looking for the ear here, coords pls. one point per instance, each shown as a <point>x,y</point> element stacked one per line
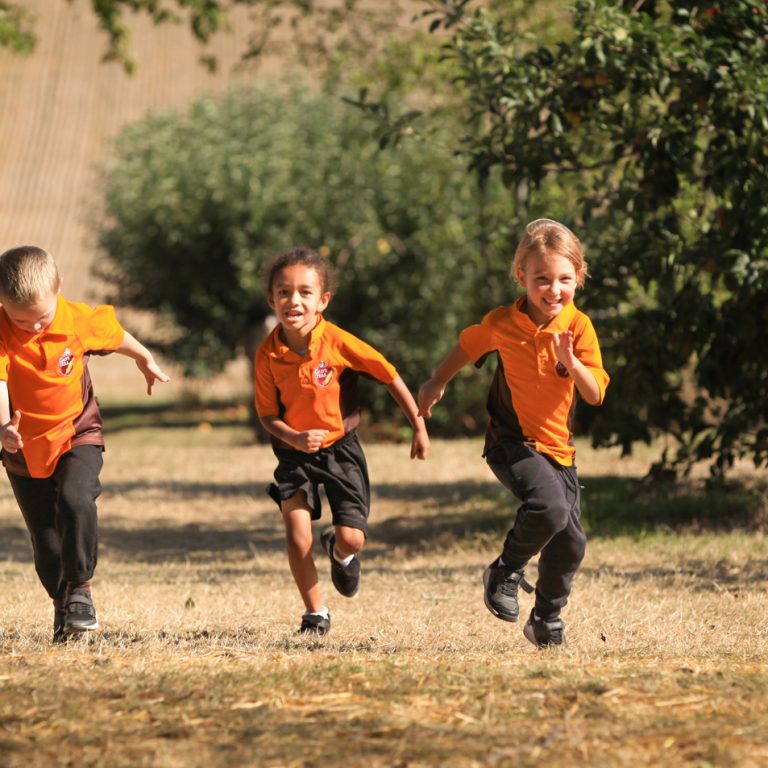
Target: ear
<point>61,282</point>
<point>520,277</point>
<point>270,300</point>
<point>325,300</point>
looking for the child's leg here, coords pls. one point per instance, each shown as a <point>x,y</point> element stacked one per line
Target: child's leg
<point>562,555</point>
<point>349,541</point>
<point>298,539</point>
<point>77,484</point>
<point>544,490</point>
<point>36,498</point>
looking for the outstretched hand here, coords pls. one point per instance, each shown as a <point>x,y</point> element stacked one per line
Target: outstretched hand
<point>430,393</point>
<point>10,438</point>
<point>420,444</point>
<point>152,373</point>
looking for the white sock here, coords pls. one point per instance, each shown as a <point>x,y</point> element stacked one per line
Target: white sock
<point>346,561</point>
<point>322,612</point>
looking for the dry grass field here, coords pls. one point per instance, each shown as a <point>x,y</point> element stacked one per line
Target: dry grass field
<point>198,662</point>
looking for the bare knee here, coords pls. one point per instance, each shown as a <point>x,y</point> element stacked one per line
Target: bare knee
<point>348,540</point>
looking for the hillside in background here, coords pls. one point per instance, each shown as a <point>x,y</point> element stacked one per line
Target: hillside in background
<point>59,110</point>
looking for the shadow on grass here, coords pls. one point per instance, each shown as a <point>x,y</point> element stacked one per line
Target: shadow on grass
<point>176,414</point>
<point>436,517</point>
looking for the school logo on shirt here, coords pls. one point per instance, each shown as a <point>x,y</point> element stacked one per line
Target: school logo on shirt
<point>323,374</point>
<point>66,362</point>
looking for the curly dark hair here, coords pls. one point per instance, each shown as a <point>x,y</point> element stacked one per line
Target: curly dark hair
<point>300,255</point>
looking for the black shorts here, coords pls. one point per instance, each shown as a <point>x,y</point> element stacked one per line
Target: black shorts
<point>340,468</point>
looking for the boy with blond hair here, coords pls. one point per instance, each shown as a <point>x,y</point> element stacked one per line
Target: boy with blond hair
<point>50,425</point>
<point>547,351</point>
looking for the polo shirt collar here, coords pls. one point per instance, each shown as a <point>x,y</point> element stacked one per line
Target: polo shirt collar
<point>62,324</point>
<point>314,337</point>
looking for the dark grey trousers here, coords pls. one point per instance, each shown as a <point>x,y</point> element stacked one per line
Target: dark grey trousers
<point>547,522</point>
<point>60,514</point>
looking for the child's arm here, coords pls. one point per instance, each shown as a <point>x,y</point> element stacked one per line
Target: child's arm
<point>134,349</point>
<point>432,391</point>
<point>582,377</point>
<point>404,398</point>
<point>310,441</point>
<point>10,439</point>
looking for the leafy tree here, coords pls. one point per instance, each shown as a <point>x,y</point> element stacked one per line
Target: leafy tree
<point>320,30</point>
<point>644,129</point>
<point>16,28</point>
<point>195,203</point>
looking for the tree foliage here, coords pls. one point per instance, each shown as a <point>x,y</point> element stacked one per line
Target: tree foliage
<point>16,28</point>
<point>320,30</point>
<point>195,204</point>
<point>644,129</point>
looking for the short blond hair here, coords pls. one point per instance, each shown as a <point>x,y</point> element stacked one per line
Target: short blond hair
<point>545,236</point>
<point>26,274</point>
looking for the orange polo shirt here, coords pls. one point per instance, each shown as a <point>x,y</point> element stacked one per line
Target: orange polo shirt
<point>532,395</point>
<point>48,382</point>
<point>317,390</point>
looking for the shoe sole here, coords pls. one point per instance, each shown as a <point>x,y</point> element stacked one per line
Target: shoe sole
<point>79,630</point>
<point>503,616</point>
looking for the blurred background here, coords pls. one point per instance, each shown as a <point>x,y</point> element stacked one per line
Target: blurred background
<point>163,161</point>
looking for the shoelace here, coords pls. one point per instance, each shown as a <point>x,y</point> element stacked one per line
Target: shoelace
<point>510,585</point>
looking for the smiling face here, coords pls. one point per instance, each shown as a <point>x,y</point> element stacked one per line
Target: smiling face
<point>550,284</point>
<point>298,296</point>
<point>34,316</point>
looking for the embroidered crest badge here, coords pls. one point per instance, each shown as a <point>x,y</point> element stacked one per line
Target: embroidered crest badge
<point>323,374</point>
<point>66,362</point>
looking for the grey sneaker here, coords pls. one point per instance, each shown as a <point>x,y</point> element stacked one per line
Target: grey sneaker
<point>80,613</point>
<point>346,578</point>
<point>313,624</point>
<point>545,633</point>
<point>500,594</point>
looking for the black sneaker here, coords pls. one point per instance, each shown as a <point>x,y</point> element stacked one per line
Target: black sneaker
<point>346,578</point>
<point>80,613</point>
<point>59,617</point>
<point>545,633</point>
<point>501,585</point>
<point>314,624</point>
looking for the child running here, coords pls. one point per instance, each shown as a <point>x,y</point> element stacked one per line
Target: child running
<point>545,349</point>
<point>51,428</point>
<point>306,375</point>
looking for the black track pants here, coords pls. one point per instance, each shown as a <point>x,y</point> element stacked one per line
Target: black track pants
<point>547,522</point>
<point>60,513</point>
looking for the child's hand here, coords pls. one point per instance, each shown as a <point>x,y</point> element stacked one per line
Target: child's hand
<point>430,393</point>
<point>152,373</point>
<point>310,441</point>
<point>564,348</point>
<point>9,434</point>
<point>420,443</point>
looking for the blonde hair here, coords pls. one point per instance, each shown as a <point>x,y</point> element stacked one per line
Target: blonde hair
<point>548,237</point>
<point>26,274</point>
